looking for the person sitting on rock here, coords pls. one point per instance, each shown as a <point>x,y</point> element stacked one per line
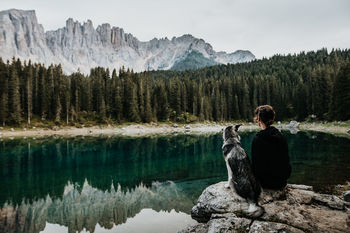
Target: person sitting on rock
<point>270,159</point>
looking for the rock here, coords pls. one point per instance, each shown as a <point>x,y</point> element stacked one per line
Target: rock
<point>221,223</point>
<point>187,127</point>
<point>216,199</point>
<point>175,125</point>
<point>297,208</point>
<point>24,129</point>
<point>258,227</point>
<point>55,128</point>
<point>300,186</point>
<point>348,131</point>
<point>293,124</point>
<point>294,130</point>
<point>293,127</point>
<point>86,47</point>
<point>12,129</point>
<point>346,196</point>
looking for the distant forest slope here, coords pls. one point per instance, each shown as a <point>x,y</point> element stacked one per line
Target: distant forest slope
<point>193,60</point>
<point>297,86</point>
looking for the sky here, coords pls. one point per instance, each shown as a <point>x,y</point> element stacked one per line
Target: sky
<point>265,27</point>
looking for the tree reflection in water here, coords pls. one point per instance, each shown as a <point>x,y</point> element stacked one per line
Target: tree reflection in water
<point>85,208</point>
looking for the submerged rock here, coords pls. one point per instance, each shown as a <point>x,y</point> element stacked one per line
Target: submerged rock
<point>297,208</point>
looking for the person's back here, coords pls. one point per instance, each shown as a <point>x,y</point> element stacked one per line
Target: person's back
<point>270,159</point>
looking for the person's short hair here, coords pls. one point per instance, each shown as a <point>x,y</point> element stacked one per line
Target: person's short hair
<point>265,114</point>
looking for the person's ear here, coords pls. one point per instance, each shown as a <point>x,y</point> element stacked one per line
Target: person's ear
<point>237,126</point>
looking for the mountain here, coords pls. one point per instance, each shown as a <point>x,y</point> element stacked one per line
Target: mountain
<point>82,46</point>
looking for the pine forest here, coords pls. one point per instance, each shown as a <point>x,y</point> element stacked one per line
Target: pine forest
<point>300,86</point>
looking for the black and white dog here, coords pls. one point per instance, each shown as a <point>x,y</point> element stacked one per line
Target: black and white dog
<point>240,175</point>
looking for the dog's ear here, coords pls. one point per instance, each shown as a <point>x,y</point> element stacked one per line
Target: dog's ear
<point>237,126</point>
<point>227,132</point>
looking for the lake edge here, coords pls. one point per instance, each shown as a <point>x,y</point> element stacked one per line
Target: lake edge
<point>136,130</point>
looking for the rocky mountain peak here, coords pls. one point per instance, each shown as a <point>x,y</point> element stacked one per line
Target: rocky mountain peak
<point>80,45</point>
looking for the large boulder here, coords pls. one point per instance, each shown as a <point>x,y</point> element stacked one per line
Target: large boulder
<point>295,209</point>
<point>347,195</point>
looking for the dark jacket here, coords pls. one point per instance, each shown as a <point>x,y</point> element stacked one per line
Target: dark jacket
<point>270,159</point>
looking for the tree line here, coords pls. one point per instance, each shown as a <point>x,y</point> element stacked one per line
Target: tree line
<point>299,86</point>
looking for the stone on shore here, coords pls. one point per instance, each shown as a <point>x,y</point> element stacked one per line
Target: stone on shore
<point>347,196</point>
<point>296,209</point>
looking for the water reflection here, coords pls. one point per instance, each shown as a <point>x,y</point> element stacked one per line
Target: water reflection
<point>32,169</point>
<point>83,209</point>
<point>99,183</point>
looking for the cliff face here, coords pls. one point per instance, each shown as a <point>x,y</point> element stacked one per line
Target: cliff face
<point>296,209</point>
<point>82,46</point>
<point>22,36</point>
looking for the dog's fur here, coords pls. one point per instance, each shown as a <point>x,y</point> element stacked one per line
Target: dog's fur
<point>240,175</point>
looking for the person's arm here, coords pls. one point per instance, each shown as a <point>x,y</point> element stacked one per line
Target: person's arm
<point>286,159</point>
<point>256,157</point>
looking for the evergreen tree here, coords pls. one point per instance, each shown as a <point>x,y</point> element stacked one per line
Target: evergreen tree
<point>3,93</point>
<point>43,94</point>
<point>131,103</point>
<point>28,91</point>
<point>340,106</point>
<point>118,101</point>
<point>14,96</point>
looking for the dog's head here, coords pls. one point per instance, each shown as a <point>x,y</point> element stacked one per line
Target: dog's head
<point>231,132</point>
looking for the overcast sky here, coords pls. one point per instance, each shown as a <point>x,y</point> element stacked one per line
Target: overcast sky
<point>265,27</point>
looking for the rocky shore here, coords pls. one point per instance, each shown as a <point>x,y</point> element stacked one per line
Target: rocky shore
<point>296,209</point>
<point>132,130</point>
<point>147,129</point>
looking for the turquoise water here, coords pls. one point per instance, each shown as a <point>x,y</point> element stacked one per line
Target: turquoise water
<point>125,184</point>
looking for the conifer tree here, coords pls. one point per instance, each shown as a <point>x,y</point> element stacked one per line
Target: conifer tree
<point>131,102</point>
<point>341,95</point>
<point>14,96</point>
<point>28,91</point>
<point>118,102</point>
<point>163,107</point>
<point>43,94</point>
<point>3,93</point>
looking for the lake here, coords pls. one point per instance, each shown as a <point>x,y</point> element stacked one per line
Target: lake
<point>143,184</point>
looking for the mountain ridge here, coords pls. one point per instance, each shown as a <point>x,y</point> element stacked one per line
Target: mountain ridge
<point>82,46</point>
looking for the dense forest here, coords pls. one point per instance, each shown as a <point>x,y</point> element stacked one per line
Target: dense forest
<point>300,86</point>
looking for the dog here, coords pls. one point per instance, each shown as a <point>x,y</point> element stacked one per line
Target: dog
<point>240,174</point>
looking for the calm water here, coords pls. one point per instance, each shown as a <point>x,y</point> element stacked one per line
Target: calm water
<point>119,184</point>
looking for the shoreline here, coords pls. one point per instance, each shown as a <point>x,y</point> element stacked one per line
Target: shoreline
<point>149,129</point>
<point>132,130</point>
